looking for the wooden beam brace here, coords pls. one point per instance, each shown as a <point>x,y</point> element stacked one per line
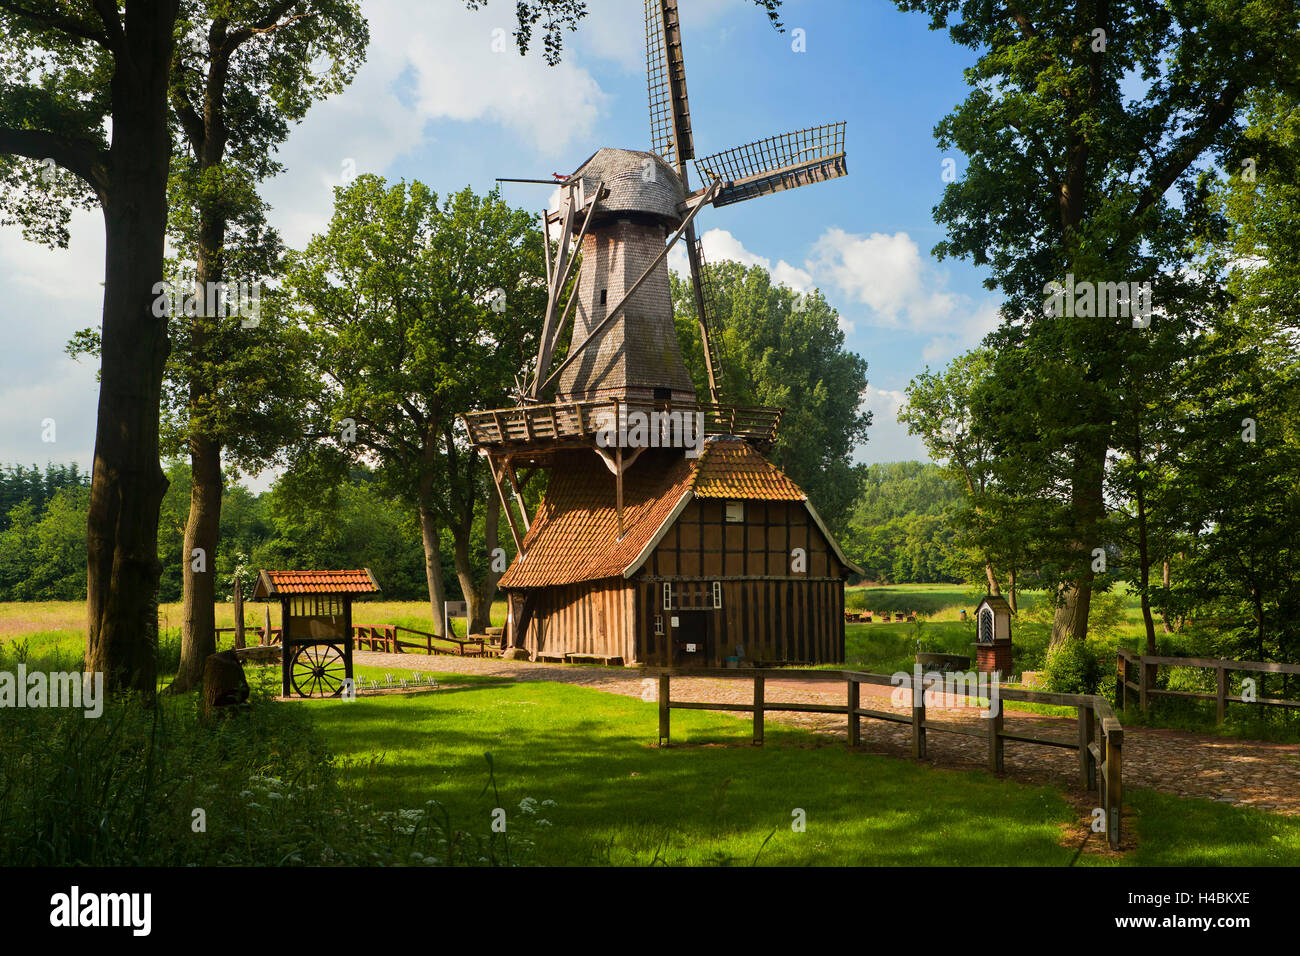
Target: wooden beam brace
<point>609,317</point>
<point>505,505</point>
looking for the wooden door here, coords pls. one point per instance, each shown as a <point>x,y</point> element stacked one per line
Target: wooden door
<point>691,639</point>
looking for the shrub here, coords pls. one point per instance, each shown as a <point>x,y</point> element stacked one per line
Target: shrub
<point>1072,667</point>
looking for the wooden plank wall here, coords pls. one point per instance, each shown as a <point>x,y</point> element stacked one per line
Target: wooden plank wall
<point>703,544</point>
<point>773,612</point>
<point>592,617</point>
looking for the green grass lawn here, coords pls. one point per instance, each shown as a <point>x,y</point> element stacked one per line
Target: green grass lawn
<point>715,798</point>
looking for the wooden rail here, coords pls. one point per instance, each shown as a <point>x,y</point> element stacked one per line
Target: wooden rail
<point>1146,665</point>
<point>580,421</point>
<point>1099,741</point>
<point>383,637</point>
<point>248,629</point>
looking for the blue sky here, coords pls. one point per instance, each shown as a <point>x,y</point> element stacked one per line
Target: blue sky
<point>435,102</point>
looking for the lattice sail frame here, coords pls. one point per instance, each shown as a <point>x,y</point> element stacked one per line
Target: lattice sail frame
<point>669,128</point>
<point>661,110</point>
<point>709,297</point>
<point>776,163</point>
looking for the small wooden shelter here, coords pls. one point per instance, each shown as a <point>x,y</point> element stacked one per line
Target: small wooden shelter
<point>993,634</point>
<point>315,626</point>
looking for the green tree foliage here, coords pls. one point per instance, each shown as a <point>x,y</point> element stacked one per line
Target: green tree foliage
<point>1072,172</point>
<point>19,484</point>
<point>83,122</point>
<point>43,551</point>
<point>900,527</point>
<point>421,310</point>
<point>784,349</point>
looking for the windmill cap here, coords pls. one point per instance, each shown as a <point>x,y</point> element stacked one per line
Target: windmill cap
<point>638,181</point>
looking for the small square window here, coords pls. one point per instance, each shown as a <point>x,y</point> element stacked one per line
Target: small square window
<point>604,296</point>
<point>735,511</point>
<point>659,624</point>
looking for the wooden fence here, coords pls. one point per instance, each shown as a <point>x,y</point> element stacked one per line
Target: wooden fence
<point>249,629</point>
<point>1099,741</point>
<point>383,637</point>
<point>1146,665</point>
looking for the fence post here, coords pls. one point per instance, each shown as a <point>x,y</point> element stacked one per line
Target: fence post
<point>1142,682</point>
<point>995,736</point>
<point>1220,694</point>
<point>1121,683</point>
<point>918,716</point>
<point>663,710</point>
<point>1114,785</point>
<point>1087,765</point>
<point>758,710</point>
<point>855,722</point>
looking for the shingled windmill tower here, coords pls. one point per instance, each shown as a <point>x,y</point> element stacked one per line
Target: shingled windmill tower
<point>665,537</point>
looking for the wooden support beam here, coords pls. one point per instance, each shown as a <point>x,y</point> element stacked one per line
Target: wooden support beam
<point>553,298</point>
<point>994,719</point>
<point>505,505</point>
<point>855,719</point>
<point>758,710</point>
<point>519,495</point>
<point>918,718</point>
<point>627,296</point>
<point>1114,785</point>
<point>1087,764</point>
<point>618,487</point>
<point>664,707</point>
<point>558,279</point>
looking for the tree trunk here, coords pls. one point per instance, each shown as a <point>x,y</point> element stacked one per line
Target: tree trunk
<point>202,532</point>
<point>127,485</point>
<point>1144,551</point>
<point>203,529</point>
<point>1088,507</point>
<point>487,589</point>
<point>1164,580</point>
<point>1011,587</point>
<point>992,578</point>
<point>432,566</point>
<point>465,575</point>
<point>239,613</point>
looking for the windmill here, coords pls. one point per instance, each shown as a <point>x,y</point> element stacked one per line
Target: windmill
<point>656,186</point>
<point>624,210</point>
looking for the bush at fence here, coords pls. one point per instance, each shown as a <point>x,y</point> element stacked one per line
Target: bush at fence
<point>1073,667</point>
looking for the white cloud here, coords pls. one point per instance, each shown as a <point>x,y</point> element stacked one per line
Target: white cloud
<point>969,330</point>
<point>887,274</point>
<point>888,440</point>
<point>428,64</point>
<point>719,244</point>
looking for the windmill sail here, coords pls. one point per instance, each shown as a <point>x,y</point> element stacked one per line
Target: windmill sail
<point>777,163</point>
<point>670,113</point>
<point>707,297</point>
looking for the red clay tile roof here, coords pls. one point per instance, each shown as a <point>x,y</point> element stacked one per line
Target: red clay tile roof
<point>574,536</point>
<point>277,583</point>
<point>730,468</point>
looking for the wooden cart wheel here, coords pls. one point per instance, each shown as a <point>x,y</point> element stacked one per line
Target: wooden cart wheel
<point>318,670</point>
